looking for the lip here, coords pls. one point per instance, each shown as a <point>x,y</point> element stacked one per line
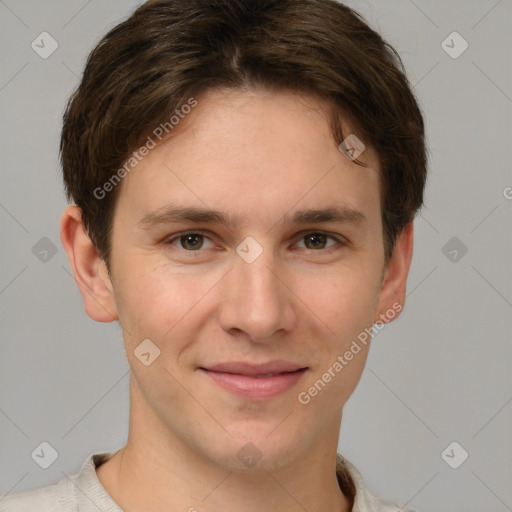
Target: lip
<point>242,378</point>
<point>252,369</point>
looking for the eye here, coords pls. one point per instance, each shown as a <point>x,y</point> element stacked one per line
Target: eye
<point>315,240</point>
<point>191,241</point>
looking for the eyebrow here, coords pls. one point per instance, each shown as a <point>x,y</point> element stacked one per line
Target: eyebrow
<point>197,215</point>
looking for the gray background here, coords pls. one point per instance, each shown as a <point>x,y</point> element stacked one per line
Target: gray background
<point>440,373</point>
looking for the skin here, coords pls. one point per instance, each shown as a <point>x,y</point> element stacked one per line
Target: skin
<point>259,156</point>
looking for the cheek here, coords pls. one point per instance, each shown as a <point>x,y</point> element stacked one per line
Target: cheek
<point>346,306</point>
<point>159,302</point>
<point>339,379</point>
<point>344,301</point>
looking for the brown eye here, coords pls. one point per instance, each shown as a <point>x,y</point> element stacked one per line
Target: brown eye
<point>193,241</point>
<point>318,240</point>
<point>315,240</point>
<point>190,242</point>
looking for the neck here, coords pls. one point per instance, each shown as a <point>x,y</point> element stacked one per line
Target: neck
<point>157,471</point>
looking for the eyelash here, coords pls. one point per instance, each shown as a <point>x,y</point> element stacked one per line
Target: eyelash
<point>343,242</point>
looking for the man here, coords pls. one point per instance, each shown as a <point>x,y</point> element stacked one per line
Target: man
<point>244,177</point>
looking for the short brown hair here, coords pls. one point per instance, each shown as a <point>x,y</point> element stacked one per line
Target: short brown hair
<point>168,51</point>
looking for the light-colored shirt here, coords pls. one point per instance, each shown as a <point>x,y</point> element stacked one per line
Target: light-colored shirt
<point>83,492</point>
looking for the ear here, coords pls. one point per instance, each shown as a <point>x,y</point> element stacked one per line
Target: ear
<point>89,269</point>
<point>393,287</point>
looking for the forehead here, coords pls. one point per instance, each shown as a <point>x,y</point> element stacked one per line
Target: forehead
<point>275,117</point>
<point>246,150</point>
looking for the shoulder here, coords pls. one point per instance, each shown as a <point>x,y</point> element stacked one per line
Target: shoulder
<point>43,499</point>
<point>384,505</point>
<point>364,500</point>
<point>80,492</point>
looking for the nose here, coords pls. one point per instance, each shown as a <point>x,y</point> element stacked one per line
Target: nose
<point>256,299</point>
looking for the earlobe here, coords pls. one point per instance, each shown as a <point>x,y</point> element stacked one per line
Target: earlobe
<point>88,268</point>
<point>393,289</point>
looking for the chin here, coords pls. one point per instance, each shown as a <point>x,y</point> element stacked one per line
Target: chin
<point>255,453</point>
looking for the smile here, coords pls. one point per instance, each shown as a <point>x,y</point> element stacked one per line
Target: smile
<point>256,387</point>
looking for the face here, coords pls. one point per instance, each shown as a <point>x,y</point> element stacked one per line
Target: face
<point>262,282</point>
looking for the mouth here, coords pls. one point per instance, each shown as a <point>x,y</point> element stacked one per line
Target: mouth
<point>255,382</point>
